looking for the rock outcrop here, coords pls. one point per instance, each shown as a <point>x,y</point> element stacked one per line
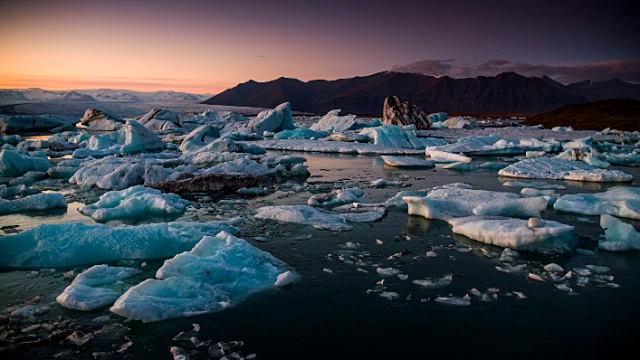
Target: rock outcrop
<point>400,113</point>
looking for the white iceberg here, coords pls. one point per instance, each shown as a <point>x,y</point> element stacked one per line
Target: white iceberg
<point>333,123</point>
<point>95,287</point>
<point>336,197</point>
<point>449,203</point>
<point>34,202</point>
<point>562,169</point>
<point>15,164</point>
<point>517,234</point>
<point>196,139</point>
<point>446,157</point>
<point>619,236</point>
<point>97,120</point>
<point>217,273</point>
<point>274,120</point>
<point>398,136</point>
<point>160,120</point>
<point>405,161</point>
<point>135,202</point>
<point>68,244</point>
<point>318,218</point>
<point>130,139</point>
<point>622,201</point>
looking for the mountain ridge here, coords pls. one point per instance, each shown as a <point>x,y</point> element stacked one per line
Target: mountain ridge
<point>507,92</point>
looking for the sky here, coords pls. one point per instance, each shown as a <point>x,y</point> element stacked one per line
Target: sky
<point>209,46</point>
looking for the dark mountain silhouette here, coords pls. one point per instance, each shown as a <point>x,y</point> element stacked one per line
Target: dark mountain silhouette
<point>504,93</point>
<point>621,114</point>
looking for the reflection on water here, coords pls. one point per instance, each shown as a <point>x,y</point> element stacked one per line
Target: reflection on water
<point>27,220</point>
<point>417,225</point>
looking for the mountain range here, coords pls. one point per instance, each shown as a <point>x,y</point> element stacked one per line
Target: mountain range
<point>101,95</point>
<point>506,93</point>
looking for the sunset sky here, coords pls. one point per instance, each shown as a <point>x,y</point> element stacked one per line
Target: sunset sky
<point>209,46</point>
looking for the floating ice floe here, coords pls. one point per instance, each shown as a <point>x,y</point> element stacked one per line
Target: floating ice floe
<point>534,185</point>
<point>333,147</point>
<point>319,218</point>
<point>561,169</point>
<point>446,157</point>
<point>130,139</point>
<point>398,137</point>
<point>219,272</point>
<point>300,133</point>
<point>336,197</point>
<point>95,287</point>
<point>448,203</point>
<point>32,203</point>
<point>135,202</point>
<point>14,164</point>
<point>457,122</point>
<point>274,120</point>
<point>539,235</point>
<point>97,120</point>
<point>460,166</point>
<point>333,123</point>
<point>434,283</point>
<point>491,165</point>
<point>68,244</point>
<point>13,191</point>
<point>160,120</point>
<point>619,236</point>
<point>622,201</point>
<point>405,161</point>
<point>120,173</point>
<point>196,139</point>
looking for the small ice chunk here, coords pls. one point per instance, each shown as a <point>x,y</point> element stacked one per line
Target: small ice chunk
<point>434,283</point>
<point>286,278</point>
<point>389,295</point>
<point>387,271</point>
<point>553,267</point>
<point>535,277</point>
<point>453,300</point>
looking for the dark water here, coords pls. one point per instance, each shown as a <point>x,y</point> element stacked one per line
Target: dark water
<point>332,316</point>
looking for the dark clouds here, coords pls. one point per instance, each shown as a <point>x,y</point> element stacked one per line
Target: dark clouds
<point>628,70</point>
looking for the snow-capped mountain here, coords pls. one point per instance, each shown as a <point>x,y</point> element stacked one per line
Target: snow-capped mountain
<point>101,95</point>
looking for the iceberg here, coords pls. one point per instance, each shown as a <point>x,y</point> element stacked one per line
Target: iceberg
<point>31,123</point>
<point>219,272</point>
<point>160,120</point>
<point>300,133</point>
<point>274,120</point>
<point>135,202</point>
<point>333,147</point>
<point>69,244</point>
<point>196,139</point>
<point>336,197</point>
<point>97,120</point>
<point>622,201</point>
<point>405,161</point>
<point>619,236</point>
<point>446,157</point>
<point>495,145</point>
<point>15,164</point>
<point>130,139</point>
<point>333,123</point>
<point>95,287</point>
<point>398,136</point>
<point>318,218</point>
<point>562,169</point>
<point>449,203</point>
<point>33,202</point>
<point>544,236</point>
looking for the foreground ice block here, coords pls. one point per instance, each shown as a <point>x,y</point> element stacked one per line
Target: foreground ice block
<point>619,236</point>
<point>562,169</point>
<point>406,161</point>
<point>534,234</point>
<point>620,201</point>
<point>95,287</point>
<point>15,164</point>
<point>318,218</point>
<point>135,202</point>
<point>68,244</point>
<point>445,204</point>
<point>32,203</point>
<point>217,273</point>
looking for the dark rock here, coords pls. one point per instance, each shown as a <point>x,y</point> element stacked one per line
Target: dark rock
<point>400,113</point>
<point>214,182</point>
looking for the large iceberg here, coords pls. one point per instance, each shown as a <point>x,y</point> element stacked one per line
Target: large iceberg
<point>495,145</point>
<point>98,286</point>
<point>15,164</point>
<point>130,139</point>
<point>449,203</point>
<point>196,138</point>
<point>34,202</point>
<point>135,202</point>
<point>68,244</point>
<point>562,169</point>
<point>97,120</point>
<point>160,120</point>
<point>398,136</point>
<point>620,201</point>
<point>217,273</point>
<point>619,236</point>
<point>274,120</point>
<point>332,122</point>
<point>534,234</point>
